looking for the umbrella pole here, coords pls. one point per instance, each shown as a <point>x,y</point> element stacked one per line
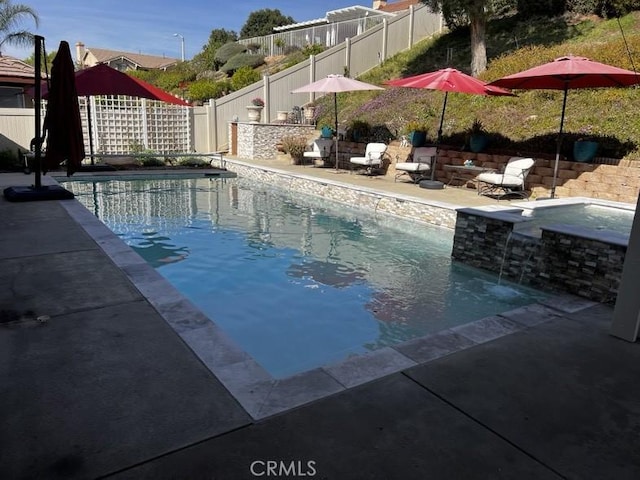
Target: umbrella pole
<point>559,146</point>
<point>439,137</point>
<point>335,110</point>
<point>38,102</point>
<point>89,128</point>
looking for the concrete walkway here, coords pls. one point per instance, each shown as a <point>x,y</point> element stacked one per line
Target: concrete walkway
<point>95,383</point>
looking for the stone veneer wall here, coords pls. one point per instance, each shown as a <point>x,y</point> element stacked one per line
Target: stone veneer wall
<point>258,140</point>
<point>572,262</point>
<point>376,202</point>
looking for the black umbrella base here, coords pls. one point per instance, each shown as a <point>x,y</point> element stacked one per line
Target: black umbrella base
<point>431,184</point>
<point>32,194</point>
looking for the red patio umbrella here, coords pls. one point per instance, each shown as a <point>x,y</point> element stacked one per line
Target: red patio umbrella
<point>335,83</point>
<point>447,80</point>
<point>566,73</point>
<point>62,123</point>
<point>101,79</point>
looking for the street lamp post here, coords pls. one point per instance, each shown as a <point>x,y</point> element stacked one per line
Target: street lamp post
<point>181,45</point>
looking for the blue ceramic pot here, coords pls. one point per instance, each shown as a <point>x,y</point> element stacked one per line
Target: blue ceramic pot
<point>584,151</point>
<point>478,142</point>
<point>417,139</point>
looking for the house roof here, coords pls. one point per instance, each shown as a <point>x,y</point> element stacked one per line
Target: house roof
<point>398,6</point>
<point>13,70</point>
<point>145,61</point>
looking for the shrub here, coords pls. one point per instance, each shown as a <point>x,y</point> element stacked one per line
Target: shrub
<point>227,51</point>
<point>242,60</point>
<point>313,49</point>
<point>152,162</point>
<point>358,131</point>
<point>415,126</point>
<point>193,162</point>
<point>202,90</point>
<point>9,160</point>
<point>294,145</point>
<point>244,76</point>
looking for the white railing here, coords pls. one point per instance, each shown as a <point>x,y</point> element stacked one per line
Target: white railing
<point>328,35</point>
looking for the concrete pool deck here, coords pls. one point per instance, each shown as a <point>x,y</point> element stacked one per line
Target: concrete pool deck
<point>95,383</point>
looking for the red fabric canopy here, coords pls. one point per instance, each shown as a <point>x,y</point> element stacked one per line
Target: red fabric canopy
<point>104,80</point>
<point>448,80</point>
<point>568,73</point>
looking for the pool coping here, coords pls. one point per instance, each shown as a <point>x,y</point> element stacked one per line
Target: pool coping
<point>262,395</point>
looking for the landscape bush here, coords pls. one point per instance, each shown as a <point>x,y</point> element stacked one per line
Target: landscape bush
<point>244,76</point>
<point>242,60</point>
<point>228,50</point>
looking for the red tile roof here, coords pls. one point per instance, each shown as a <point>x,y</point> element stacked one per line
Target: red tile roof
<point>13,70</point>
<point>399,6</point>
<point>145,61</point>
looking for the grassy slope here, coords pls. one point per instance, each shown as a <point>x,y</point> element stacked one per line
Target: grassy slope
<point>528,122</point>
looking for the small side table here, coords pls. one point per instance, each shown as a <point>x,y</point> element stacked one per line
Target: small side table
<point>464,174</point>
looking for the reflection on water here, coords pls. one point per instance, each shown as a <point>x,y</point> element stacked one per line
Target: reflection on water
<point>296,281</point>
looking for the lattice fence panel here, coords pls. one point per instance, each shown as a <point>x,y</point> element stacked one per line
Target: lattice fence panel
<point>123,125</point>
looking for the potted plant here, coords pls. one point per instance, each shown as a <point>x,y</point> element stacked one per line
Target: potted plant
<point>254,111</point>
<point>359,130</point>
<point>585,148</point>
<point>326,132</point>
<point>477,137</point>
<point>416,133</point>
<point>294,145</point>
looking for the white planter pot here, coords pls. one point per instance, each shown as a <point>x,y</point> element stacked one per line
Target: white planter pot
<point>254,113</point>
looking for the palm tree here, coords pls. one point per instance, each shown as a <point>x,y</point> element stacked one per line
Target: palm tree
<point>11,19</point>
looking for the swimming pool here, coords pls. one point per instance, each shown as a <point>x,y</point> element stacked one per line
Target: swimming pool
<point>297,283</point>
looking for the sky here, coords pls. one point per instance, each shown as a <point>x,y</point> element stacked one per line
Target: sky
<point>148,26</point>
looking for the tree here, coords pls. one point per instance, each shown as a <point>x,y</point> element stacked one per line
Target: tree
<point>47,61</point>
<point>262,22</point>
<point>11,19</point>
<point>475,12</point>
<point>206,60</point>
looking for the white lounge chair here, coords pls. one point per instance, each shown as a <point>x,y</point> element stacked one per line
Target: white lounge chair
<point>421,161</point>
<point>509,182</point>
<point>321,149</point>
<point>372,159</point>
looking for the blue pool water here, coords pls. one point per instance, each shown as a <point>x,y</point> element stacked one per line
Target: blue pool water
<point>295,281</point>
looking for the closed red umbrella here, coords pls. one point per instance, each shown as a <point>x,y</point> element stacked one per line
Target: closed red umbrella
<point>62,124</point>
<point>447,80</point>
<point>566,73</point>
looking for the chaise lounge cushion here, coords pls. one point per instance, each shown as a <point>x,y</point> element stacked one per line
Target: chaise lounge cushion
<point>372,155</point>
<point>422,160</point>
<point>511,181</point>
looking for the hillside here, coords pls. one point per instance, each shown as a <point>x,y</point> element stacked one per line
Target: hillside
<point>528,122</point>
